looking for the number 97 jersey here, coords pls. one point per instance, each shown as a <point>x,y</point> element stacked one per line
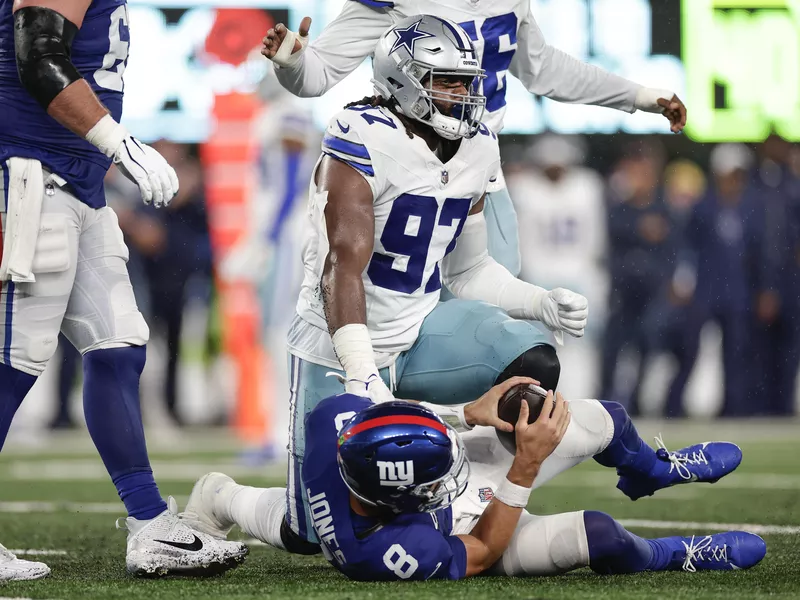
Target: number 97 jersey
<point>420,205</point>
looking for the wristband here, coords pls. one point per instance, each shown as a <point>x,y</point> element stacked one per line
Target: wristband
<point>512,494</point>
<point>107,135</point>
<point>353,347</point>
<point>452,415</point>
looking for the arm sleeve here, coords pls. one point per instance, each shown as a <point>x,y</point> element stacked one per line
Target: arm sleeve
<point>340,48</point>
<point>471,274</point>
<point>547,71</point>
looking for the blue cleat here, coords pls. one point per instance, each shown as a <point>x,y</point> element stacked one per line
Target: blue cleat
<point>707,462</point>
<point>727,551</point>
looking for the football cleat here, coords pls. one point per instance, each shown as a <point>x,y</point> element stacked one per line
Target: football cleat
<point>169,545</point>
<point>707,462</point>
<point>200,511</point>
<point>727,551</point>
<point>17,569</point>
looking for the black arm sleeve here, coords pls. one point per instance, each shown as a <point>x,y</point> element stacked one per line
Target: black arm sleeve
<point>43,42</point>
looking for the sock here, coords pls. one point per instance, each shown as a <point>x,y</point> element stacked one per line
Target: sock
<point>259,512</point>
<point>14,386</point>
<point>627,451</point>
<point>114,420</point>
<point>614,550</point>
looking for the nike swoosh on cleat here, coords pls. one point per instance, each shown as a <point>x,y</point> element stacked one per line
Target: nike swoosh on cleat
<point>342,127</point>
<point>194,546</point>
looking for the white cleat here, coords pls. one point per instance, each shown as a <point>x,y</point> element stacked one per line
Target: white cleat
<point>17,569</point>
<point>169,545</point>
<point>200,509</point>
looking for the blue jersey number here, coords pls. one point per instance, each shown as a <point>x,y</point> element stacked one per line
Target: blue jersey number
<point>495,61</point>
<point>408,233</point>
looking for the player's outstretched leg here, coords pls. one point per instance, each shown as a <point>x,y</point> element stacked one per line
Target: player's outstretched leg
<point>644,471</point>
<point>159,542</point>
<point>614,550</point>
<point>17,569</point>
<point>217,503</point>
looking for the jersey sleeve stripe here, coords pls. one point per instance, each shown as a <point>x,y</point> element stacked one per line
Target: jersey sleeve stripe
<point>338,145</point>
<point>377,3</point>
<point>365,169</point>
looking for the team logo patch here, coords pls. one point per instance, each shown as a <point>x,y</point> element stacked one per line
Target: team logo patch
<point>485,494</point>
<point>395,474</point>
<point>406,38</point>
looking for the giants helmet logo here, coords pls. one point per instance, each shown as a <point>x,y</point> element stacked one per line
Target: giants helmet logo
<point>395,474</point>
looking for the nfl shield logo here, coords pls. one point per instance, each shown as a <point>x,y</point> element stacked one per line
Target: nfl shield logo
<point>445,177</point>
<point>485,494</point>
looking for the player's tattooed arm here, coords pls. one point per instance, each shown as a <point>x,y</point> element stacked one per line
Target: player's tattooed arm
<point>350,224</point>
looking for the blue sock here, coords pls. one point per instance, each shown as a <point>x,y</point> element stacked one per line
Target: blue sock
<point>111,406</point>
<point>614,550</point>
<point>627,451</point>
<point>14,386</point>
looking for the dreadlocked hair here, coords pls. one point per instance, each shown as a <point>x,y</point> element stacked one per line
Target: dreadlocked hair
<point>376,101</point>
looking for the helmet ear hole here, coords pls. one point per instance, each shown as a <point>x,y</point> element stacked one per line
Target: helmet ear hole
<point>395,83</point>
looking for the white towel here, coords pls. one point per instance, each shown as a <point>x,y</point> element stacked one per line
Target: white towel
<point>23,214</point>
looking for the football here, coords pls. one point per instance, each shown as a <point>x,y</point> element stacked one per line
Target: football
<point>509,406</point>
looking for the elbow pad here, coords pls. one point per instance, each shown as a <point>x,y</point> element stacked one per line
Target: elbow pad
<point>43,43</point>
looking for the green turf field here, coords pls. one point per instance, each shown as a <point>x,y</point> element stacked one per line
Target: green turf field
<point>54,498</point>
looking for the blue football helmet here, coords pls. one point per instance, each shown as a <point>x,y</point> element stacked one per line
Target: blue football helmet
<point>402,456</point>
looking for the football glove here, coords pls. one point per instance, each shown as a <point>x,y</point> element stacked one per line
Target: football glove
<point>561,310</point>
<point>144,166</point>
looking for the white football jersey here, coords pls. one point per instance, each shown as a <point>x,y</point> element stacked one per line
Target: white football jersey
<point>420,206</point>
<point>505,35</point>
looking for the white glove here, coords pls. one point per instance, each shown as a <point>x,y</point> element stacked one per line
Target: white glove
<point>372,387</point>
<point>157,181</point>
<point>561,310</point>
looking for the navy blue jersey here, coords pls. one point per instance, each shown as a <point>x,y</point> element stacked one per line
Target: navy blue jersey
<point>413,546</point>
<point>100,53</point>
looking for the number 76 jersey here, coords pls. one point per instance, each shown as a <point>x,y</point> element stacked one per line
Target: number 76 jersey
<point>420,205</point>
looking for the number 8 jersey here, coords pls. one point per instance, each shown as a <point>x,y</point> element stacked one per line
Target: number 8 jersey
<point>99,53</point>
<point>420,206</point>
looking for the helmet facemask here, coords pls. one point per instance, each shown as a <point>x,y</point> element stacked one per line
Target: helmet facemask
<point>466,110</point>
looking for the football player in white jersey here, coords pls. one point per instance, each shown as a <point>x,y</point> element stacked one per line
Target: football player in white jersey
<point>395,211</point>
<point>507,39</point>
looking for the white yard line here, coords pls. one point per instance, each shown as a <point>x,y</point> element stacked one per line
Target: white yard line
<point>34,552</point>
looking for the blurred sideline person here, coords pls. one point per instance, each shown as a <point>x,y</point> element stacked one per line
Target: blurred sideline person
<point>63,263</point>
<point>397,494</point>
<point>271,254</point>
<point>561,210</point>
<point>641,259</point>
<point>506,39</point>
<point>776,322</point>
<point>722,245</point>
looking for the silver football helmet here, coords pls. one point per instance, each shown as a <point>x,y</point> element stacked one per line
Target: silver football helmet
<point>415,51</point>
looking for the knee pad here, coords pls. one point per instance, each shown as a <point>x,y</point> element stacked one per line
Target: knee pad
<point>295,544</point>
<point>546,546</point>
<point>540,362</point>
